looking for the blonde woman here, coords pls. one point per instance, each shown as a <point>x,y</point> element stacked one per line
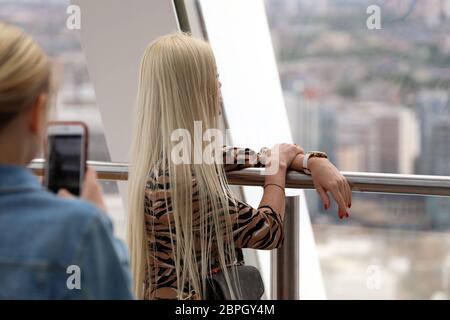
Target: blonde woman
<point>45,238</point>
<point>184,223</point>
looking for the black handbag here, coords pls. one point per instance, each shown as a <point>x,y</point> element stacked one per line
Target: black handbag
<point>249,282</point>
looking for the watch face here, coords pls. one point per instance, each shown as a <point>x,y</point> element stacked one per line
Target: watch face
<point>318,154</point>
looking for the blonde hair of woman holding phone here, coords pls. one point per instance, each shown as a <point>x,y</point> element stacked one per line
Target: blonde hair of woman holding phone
<point>184,222</point>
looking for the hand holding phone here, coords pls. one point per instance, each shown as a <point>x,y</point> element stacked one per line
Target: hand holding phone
<point>66,156</point>
<point>92,191</point>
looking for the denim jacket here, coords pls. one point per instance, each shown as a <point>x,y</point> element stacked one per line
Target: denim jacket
<point>54,248</point>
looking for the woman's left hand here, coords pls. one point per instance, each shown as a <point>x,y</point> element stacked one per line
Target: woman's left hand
<point>327,178</point>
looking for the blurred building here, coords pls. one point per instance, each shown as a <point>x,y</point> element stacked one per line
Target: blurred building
<point>434,110</point>
<point>379,138</point>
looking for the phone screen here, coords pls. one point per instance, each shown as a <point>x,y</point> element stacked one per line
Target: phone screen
<point>65,162</point>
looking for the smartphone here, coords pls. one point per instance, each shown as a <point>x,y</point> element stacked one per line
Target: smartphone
<point>66,155</point>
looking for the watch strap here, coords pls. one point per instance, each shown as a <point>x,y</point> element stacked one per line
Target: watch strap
<point>305,163</point>
<point>312,154</point>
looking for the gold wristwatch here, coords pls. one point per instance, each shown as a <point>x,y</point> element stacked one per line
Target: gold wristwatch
<point>312,154</point>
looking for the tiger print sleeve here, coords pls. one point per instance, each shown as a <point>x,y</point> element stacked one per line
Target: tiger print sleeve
<point>239,158</point>
<point>260,228</point>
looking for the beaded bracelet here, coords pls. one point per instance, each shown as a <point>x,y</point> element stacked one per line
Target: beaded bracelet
<point>274,184</point>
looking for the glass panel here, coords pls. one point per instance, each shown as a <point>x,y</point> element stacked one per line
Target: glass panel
<point>45,21</point>
<point>375,100</point>
<point>390,249</point>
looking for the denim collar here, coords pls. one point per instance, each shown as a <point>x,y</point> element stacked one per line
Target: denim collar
<point>17,179</point>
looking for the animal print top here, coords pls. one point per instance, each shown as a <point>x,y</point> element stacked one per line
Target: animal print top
<point>260,228</point>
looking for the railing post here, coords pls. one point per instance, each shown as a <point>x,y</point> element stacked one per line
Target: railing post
<point>285,260</point>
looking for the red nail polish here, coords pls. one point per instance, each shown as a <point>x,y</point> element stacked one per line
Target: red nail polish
<point>350,205</point>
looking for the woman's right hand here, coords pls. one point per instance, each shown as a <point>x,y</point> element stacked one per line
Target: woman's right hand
<point>92,190</point>
<point>284,154</point>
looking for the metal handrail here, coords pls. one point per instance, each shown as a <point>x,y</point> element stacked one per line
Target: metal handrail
<point>359,181</point>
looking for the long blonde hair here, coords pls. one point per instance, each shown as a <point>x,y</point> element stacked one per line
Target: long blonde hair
<point>178,86</point>
<point>24,72</point>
